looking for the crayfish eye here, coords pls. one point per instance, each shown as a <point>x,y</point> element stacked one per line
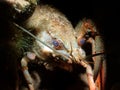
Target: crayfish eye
<point>81,41</point>
<point>57,44</point>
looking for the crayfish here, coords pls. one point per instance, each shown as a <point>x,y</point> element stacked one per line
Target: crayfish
<point>44,36</point>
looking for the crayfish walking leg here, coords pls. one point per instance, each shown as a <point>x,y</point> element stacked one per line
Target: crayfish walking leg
<point>24,63</point>
<point>89,73</point>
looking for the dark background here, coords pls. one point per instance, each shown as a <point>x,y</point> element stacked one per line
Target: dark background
<point>106,16</point>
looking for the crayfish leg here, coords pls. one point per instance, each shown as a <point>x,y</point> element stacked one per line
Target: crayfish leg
<point>90,75</point>
<point>90,78</point>
<point>24,65</point>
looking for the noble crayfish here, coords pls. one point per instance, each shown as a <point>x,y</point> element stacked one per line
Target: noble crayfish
<point>44,36</point>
